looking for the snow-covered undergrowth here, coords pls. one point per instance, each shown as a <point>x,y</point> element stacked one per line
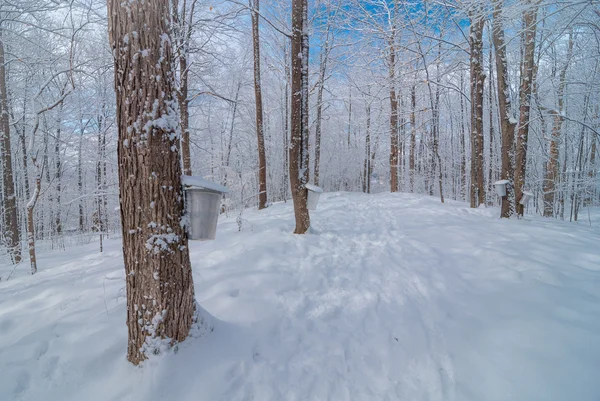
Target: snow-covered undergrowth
<point>390,297</point>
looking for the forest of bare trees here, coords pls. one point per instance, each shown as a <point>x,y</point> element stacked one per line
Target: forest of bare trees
<point>440,98</point>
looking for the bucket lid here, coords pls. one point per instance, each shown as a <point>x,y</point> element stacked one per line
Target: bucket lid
<point>195,181</point>
<point>314,188</point>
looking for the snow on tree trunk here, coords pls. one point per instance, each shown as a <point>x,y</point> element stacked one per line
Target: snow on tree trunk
<point>11,228</point>
<point>393,115</point>
<point>527,77</point>
<point>260,127</point>
<point>299,160</point>
<point>477,87</point>
<point>507,124</point>
<point>160,291</point>
<point>552,172</point>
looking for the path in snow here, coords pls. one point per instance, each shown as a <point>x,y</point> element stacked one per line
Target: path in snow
<point>390,297</point>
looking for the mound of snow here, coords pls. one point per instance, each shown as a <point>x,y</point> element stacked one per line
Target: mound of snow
<point>389,297</point>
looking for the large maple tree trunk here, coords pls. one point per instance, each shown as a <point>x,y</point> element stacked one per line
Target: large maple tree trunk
<point>527,77</point>
<point>10,224</point>
<point>260,127</point>
<point>299,160</point>
<point>160,291</point>
<point>507,125</point>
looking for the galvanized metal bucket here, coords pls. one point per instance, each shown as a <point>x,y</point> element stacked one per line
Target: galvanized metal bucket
<point>202,206</point>
<point>314,193</point>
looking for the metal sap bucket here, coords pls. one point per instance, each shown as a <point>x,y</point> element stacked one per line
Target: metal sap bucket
<point>314,193</point>
<point>203,206</point>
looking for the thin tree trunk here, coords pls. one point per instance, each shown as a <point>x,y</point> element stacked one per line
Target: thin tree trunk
<point>182,34</point>
<point>299,157</point>
<point>260,133</point>
<point>393,116</point>
<point>527,77</point>
<point>477,87</point>
<point>367,167</point>
<point>324,58</point>
<point>160,290</point>
<point>80,183</point>
<point>58,171</point>
<point>11,228</point>
<point>286,130</point>
<point>552,172</point>
<point>490,186</point>
<point>413,136</point>
<point>463,150</point>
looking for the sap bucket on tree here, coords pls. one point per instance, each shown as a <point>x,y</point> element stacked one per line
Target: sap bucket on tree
<point>314,193</point>
<point>526,198</point>
<point>202,205</point>
<point>501,187</point>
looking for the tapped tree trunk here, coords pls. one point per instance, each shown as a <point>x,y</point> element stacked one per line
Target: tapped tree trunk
<point>477,85</point>
<point>299,160</point>
<point>11,227</point>
<point>527,77</point>
<point>160,291</point>
<point>260,134</point>
<point>507,125</point>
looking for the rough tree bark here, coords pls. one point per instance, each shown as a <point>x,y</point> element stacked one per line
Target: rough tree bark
<point>11,229</point>
<point>507,125</point>
<point>260,127</point>
<point>527,77</point>
<point>477,87</point>
<point>160,291</point>
<point>299,160</point>
<point>551,174</point>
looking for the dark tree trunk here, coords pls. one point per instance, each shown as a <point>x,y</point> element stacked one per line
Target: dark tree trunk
<point>299,160</point>
<point>11,227</point>
<point>507,126</point>
<point>527,77</point>
<point>160,291</point>
<point>260,133</point>
<point>477,87</point>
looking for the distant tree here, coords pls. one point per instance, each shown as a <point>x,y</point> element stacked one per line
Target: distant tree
<point>260,126</point>
<point>160,291</point>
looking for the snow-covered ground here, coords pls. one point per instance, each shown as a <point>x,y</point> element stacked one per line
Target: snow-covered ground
<point>390,297</point>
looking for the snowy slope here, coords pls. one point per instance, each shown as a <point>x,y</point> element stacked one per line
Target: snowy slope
<point>390,297</point>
